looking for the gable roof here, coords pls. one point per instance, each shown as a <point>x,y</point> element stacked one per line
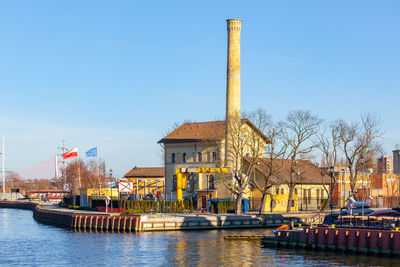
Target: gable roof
<point>203,131</point>
<point>309,173</point>
<point>152,172</point>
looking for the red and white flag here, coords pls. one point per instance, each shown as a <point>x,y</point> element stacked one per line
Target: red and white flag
<point>70,154</point>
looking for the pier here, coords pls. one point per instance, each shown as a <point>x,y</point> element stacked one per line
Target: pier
<point>92,220</point>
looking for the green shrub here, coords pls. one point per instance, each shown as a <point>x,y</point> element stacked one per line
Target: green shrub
<point>133,211</point>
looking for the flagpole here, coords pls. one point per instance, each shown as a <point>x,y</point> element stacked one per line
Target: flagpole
<point>4,171</point>
<point>56,173</point>
<point>79,174</point>
<point>98,168</point>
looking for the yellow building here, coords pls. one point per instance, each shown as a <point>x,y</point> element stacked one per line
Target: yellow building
<point>87,194</point>
<point>310,186</point>
<point>108,192</point>
<point>201,145</point>
<point>149,180</point>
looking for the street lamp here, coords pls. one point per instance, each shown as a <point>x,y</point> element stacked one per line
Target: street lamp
<point>331,172</point>
<point>362,186</point>
<point>301,189</point>
<point>342,194</point>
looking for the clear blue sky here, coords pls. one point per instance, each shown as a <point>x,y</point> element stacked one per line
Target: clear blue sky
<point>118,74</point>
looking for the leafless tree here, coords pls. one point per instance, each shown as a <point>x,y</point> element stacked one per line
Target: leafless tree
<point>359,140</point>
<point>299,128</point>
<point>328,143</point>
<point>274,161</point>
<point>244,141</point>
<point>97,175</point>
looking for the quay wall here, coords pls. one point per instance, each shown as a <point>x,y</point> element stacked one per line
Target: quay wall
<point>22,205</point>
<point>77,220</point>
<point>199,222</point>
<point>88,220</point>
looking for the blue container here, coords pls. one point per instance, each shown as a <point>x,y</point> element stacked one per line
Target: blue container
<point>245,205</point>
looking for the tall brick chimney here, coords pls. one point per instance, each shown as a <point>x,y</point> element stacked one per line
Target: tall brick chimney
<point>232,79</point>
<point>233,68</point>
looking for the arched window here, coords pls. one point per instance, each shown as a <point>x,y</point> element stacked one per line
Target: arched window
<point>277,191</point>
<point>282,191</point>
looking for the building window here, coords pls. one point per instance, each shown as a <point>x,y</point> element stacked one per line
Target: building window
<point>309,196</point>
<point>183,157</point>
<point>174,183</point>
<point>211,184</point>
<point>173,158</point>
<point>199,157</point>
<point>277,191</point>
<point>214,156</point>
<point>295,191</point>
<point>282,191</point>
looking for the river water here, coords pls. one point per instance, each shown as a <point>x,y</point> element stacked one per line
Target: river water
<point>25,242</point>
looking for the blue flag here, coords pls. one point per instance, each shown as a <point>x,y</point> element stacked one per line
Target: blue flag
<point>91,152</point>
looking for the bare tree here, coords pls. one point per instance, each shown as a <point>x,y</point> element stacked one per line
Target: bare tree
<point>328,143</point>
<point>274,161</point>
<point>299,128</point>
<point>245,139</point>
<point>359,140</point>
<point>97,175</point>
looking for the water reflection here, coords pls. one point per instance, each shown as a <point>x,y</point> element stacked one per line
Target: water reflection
<point>23,241</point>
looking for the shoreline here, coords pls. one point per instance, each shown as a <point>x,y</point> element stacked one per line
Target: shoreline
<point>87,220</point>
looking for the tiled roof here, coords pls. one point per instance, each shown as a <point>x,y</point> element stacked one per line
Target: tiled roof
<point>202,131</point>
<point>154,172</point>
<point>309,173</point>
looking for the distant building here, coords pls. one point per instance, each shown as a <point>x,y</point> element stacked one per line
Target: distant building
<point>396,162</point>
<point>147,180</point>
<point>381,188</point>
<point>47,194</point>
<point>385,164</point>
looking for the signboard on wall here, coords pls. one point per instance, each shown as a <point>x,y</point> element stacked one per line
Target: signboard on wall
<point>67,187</point>
<point>125,187</point>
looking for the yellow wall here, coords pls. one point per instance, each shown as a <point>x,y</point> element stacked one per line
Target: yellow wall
<point>280,203</point>
<point>104,192</point>
<point>301,198</point>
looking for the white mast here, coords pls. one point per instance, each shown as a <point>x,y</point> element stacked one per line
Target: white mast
<point>56,171</point>
<point>4,171</point>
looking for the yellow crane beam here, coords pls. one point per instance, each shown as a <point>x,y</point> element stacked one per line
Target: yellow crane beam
<point>182,175</point>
